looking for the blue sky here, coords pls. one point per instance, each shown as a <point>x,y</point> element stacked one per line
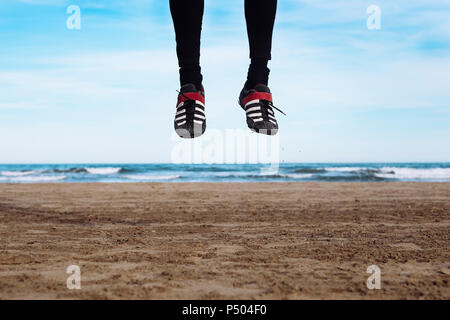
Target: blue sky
<point>106,93</point>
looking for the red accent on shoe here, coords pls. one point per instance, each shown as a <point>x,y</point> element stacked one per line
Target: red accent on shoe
<point>190,95</point>
<point>257,96</point>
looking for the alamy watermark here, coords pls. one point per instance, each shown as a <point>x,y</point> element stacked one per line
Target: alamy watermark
<point>374,20</point>
<point>374,281</point>
<point>230,146</point>
<point>73,22</point>
<point>74,280</point>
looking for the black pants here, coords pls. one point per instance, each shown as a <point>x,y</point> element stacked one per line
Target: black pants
<point>187,17</point>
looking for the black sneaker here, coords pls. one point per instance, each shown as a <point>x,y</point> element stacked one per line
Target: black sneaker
<point>190,120</point>
<point>258,105</point>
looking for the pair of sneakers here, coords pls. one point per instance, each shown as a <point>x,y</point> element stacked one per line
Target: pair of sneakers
<point>190,117</point>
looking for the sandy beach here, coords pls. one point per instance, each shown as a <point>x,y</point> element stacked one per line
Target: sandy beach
<point>225,241</point>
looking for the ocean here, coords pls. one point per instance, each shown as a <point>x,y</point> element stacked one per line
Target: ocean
<point>287,172</point>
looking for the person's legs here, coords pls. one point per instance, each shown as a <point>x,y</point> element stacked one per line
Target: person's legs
<point>187,18</point>
<point>255,97</point>
<point>260,17</point>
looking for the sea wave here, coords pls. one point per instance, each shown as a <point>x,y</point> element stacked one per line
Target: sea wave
<point>206,168</point>
<point>299,175</point>
<point>17,173</point>
<point>38,179</point>
<point>350,178</point>
<point>357,172</point>
<point>343,169</point>
<point>413,173</point>
<point>309,170</point>
<point>102,171</point>
<point>68,170</point>
<point>261,176</point>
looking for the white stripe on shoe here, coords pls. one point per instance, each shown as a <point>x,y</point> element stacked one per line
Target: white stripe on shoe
<point>251,102</point>
<point>180,117</point>
<point>199,110</point>
<point>257,108</point>
<point>255,115</point>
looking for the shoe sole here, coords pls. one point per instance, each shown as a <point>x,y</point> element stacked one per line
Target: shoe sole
<point>186,134</point>
<point>268,132</point>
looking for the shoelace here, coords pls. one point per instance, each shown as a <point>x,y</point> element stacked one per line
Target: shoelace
<point>266,104</point>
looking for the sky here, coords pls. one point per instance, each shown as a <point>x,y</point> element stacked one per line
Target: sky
<point>106,93</point>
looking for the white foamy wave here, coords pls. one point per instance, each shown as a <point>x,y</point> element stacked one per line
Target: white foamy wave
<point>144,177</point>
<point>344,169</point>
<point>38,179</point>
<point>103,170</point>
<point>299,175</point>
<point>16,173</point>
<point>410,173</point>
<point>230,174</point>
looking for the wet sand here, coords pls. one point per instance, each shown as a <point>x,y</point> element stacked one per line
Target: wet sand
<point>225,241</point>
